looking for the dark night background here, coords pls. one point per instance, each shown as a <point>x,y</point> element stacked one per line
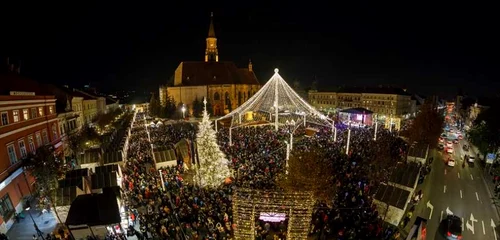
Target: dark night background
<point>427,47</point>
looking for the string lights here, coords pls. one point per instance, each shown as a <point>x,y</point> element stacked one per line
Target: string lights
<point>276,102</point>
<point>248,203</point>
<point>213,168</point>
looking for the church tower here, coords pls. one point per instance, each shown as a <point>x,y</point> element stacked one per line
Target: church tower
<point>211,52</point>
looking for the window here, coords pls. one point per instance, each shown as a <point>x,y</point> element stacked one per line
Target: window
<point>5,118</point>
<point>22,148</point>
<point>15,113</point>
<point>45,137</point>
<point>33,112</point>
<point>12,153</point>
<point>54,131</point>
<point>51,109</point>
<point>40,111</point>
<point>6,208</point>
<point>26,114</point>
<point>39,139</point>
<point>31,143</point>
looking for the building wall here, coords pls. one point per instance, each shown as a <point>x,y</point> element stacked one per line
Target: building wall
<point>77,107</point>
<point>101,105</point>
<point>34,125</point>
<point>389,108</point>
<point>68,124</point>
<point>15,191</point>
<point>216,95</point>
<point>89,110</point>
<point>381,104</point>
<point>187,94</point>
<point>178,75</point>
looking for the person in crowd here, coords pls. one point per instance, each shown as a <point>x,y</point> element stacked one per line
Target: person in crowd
<point>181,210</point>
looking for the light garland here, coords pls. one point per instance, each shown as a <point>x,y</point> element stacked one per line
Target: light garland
<point>247,203</point>
<point>276,102</point>
<point>213,168</point>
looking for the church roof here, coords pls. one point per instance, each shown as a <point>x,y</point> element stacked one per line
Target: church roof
<point>215,73</point>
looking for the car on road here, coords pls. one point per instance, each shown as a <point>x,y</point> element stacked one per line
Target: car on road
<point>451,162</point>
<point>449,150</point>
<point>471,158</point>
<point>441,146</point>
<point>460,137</point>
<point>455,141</point>
<point>452,227</point>
<point>441,139</point>
<point>449,144</point>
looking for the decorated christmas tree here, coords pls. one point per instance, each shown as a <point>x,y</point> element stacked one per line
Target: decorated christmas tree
<point>213,168</point>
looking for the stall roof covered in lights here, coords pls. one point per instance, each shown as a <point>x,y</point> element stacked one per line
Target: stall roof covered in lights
<point>275,103</point>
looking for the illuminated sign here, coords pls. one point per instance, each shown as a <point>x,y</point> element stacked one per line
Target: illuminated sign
<point>272,217</point>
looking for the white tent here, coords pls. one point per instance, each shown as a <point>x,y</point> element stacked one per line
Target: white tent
<point>275,103</point>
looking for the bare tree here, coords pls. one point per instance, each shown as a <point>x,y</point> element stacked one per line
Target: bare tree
<point>310,171</point>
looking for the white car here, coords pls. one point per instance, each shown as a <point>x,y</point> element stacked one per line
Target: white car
<point>449,150</point>
<point>451,162</point>
<point>471,159</point>
<point>449,144</point>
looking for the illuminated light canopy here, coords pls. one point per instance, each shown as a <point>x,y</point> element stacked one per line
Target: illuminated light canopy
<point>276,102</point>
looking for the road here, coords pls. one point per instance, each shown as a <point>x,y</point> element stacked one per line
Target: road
<point>460,190</point>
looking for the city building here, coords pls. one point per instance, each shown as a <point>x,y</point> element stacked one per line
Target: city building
<point>111,104</point>
<point>223,84</point>
<point>391,105</point>
<point>28,121</point>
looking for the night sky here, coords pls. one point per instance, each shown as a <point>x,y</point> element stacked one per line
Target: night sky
<point>428,48</point>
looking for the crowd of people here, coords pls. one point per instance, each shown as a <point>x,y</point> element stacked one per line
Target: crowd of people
<point>169,206</point>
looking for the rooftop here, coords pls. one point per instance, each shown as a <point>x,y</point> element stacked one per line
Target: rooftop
<point>15,82</point>
<point>418,150</point>
<point>94,210</point>
<point>405,174</point>
<point>377,90</point>
<point>393,196</point>
<point>207,73</point>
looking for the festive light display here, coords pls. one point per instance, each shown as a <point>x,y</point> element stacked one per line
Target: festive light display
<point>276,102</point>
<point>249,204</point>
<point>213,168</point>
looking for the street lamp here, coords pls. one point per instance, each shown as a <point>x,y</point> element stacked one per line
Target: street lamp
<point>40,233</point>
<point>183,109</point>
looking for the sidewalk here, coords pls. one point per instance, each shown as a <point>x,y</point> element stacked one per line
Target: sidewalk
<point>24,229</point>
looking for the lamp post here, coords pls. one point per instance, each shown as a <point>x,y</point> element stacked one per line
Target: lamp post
<point>348,140</point>
<point>292,129</point>
<point>335,135</point>
<point>40,233</point>
<point>162,181</point>
<point>183,109</point>
<point>287,156</point>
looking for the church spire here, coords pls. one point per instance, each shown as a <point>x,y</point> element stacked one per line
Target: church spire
<point>211,31</point>
<point>211,52</point>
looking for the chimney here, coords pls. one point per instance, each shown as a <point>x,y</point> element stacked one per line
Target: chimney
<point>250,66</point>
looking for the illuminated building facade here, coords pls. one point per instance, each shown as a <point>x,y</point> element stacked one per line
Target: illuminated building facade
<point>385,103</point>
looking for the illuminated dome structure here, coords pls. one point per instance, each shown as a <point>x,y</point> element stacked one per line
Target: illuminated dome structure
<point>275,103</point>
